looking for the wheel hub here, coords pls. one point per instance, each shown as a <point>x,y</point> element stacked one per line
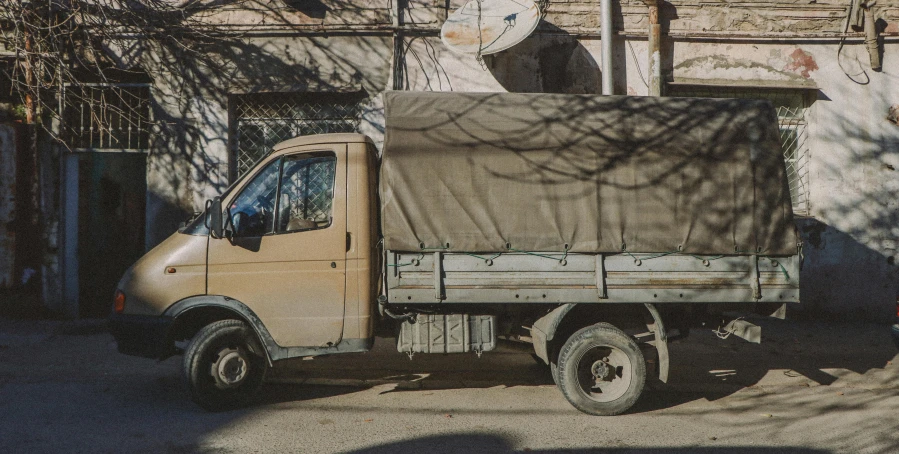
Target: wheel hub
<point>601,370</point>
<point>230,368</point>
<point>604,373</point>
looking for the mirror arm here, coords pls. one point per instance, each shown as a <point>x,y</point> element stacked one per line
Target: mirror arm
<point>206,213</point>
<point>214,217</point>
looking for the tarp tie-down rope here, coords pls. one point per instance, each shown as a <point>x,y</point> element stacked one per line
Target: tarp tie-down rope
<point>781,265</point>
<point>420,256</point>
<point>560,260</point>
<point>489,260</point>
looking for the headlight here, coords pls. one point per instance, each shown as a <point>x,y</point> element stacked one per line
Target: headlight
<point>118,302</point>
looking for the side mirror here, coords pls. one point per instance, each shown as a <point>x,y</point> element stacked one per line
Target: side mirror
<point>214,217</point>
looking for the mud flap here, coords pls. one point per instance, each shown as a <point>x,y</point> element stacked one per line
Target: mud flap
<point>660,342</point>
<point>545,328</point>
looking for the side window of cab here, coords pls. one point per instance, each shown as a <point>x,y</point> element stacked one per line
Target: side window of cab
<point>306,192</point>
<point>291,194</point>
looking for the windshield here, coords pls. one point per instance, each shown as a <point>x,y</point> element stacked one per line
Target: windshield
<point>197,225</point>
<point>253,211</point>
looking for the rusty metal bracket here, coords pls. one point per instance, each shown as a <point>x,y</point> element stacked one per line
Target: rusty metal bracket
<point>754,276</point>
<point>438,275</point>
<point>601,276</point>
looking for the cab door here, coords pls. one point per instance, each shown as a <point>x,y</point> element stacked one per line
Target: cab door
<point>286,255</point>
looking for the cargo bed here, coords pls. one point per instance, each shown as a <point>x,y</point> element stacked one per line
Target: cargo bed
<point>519,277</point>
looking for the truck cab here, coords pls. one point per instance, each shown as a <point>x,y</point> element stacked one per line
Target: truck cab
<point>292,268</point>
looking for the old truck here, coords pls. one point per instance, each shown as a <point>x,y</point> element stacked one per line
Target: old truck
<point>590,229</point>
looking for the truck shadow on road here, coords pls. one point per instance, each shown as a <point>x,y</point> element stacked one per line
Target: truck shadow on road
<point>479,442</point>
<point>793,355</point>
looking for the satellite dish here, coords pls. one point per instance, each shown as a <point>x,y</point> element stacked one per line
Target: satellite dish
<point>490,27</point>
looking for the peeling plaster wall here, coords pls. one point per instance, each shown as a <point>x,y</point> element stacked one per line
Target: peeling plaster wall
<point>851,239</point>
<point>728,16</point>
<point>854,187</point>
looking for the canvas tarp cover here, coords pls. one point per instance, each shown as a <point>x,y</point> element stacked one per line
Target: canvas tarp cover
<point>490,172</point>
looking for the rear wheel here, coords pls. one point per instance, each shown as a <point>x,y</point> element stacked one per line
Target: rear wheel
<point>601,370</point>
<point>224,366</point>
<point>553,367</point>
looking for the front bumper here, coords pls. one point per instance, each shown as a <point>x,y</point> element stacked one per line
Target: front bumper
<point>894,330</point>
<point>142,335</point>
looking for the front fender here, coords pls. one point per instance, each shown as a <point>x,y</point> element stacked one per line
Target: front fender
<point>274,352</point>
<point>232,305</point>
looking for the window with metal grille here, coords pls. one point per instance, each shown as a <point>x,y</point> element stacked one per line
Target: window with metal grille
<point>101,116</point>
<point>259,121</point>
<point>792,106</point>
<point>307,192</point>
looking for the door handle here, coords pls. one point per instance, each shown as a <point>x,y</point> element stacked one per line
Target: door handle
<point>349,241</point>
<point>333,264</point>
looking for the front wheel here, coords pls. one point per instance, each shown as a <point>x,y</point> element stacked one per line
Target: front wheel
<point>601,370</point>
<point>224,366</point>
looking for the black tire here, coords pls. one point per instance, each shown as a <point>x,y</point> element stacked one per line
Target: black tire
<point>553,367</point>
<point>601,370</point>
<point>229,347</point>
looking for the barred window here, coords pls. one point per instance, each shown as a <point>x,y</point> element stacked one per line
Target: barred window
<point>99,116</point>
<point>792,108</point>
<point>259,121</point>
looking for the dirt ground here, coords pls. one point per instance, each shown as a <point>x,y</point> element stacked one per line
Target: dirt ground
<point>810,387</point>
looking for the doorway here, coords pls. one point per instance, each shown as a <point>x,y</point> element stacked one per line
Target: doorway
<point>112,190</point>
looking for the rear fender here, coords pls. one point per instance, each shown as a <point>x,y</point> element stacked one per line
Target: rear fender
<point>544,331</point>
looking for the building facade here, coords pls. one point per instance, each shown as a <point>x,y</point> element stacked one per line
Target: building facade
<point>197,120</point>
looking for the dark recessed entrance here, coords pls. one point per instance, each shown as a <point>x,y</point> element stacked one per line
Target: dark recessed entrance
<point>112,189</point>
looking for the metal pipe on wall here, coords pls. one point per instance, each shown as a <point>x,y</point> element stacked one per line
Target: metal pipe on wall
<point>606,37</point>
<point>871,36</point>
<point>654,46</point>
<point>398,44</point>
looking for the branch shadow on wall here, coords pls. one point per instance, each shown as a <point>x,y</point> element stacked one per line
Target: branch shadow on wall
<point>549,61</point>
<point>851,251</point>
<point>196,74</point>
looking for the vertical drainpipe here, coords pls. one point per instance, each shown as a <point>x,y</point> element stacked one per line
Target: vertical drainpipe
<point>606,37</point>
<point>654,49</point>
<point>397,47</point>
<point>871,36</point>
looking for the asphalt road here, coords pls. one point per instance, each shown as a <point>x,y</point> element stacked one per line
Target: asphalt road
<point>808,388</point>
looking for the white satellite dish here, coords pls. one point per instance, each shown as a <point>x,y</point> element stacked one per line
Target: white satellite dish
<point>490,27</point>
